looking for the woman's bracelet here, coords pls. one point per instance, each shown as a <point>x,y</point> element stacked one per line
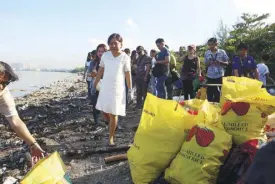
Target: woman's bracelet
<point>33,144</point>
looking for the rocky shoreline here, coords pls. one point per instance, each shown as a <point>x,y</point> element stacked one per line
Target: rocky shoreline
<point>60,117</point>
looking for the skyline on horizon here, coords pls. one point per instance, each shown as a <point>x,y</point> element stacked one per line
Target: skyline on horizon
<point>59,34</point>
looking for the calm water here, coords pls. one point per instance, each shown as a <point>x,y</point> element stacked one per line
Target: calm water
<point>30,81</point>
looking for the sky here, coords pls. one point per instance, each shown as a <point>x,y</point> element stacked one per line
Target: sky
<point>60,33</point>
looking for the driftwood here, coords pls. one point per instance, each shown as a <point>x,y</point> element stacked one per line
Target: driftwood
<point>88,152</point>
<point>115,158</point>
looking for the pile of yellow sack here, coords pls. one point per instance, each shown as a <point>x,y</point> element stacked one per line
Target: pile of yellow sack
<point>189,141</point>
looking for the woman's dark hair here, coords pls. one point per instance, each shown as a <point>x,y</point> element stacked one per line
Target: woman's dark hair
<point>213,40</point>
<point>242,46</point>
<point>93,53</point>
<point>89,56</point>
<point>159,40</point>
<point>7,69</point>
<point>133,54</point>
<point>116,36</point>
<point>127,51</point>
<point>97,59</point>
<point>154,51</point>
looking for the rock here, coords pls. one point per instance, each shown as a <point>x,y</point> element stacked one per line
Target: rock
<point>71,89</point>
<point>19,177</point>
<point>62,137</point>
<point>28,157</point>
<point>2,171</point>
<point>10,180</point>
<point>21,160</point>
<point>48,142</point>
<point>2,127</point>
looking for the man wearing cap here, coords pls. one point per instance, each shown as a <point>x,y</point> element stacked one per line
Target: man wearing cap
<point>244,65</point>
<point>142,73</point>
<point>161,69</point>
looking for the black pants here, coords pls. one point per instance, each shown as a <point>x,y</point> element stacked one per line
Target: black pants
<point>96,113</point>
<point>169,87</point>
<point>141,86</point>
<point>89,89</point>
<point>188,89</point>
<point>214,92</point>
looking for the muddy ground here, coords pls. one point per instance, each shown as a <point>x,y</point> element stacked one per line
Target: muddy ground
<point>60,117</point>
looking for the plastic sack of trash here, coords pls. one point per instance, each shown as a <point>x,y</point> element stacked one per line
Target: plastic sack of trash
<point>201,94</point>
<point>201,111</point>
<point>157,140</point>
<point>163,128</point>
<point>200,157</point>
<point>245,108</point>
<point>50,170</point>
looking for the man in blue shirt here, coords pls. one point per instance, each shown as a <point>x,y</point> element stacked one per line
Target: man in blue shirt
<point>244,65</point>
<point>161,69</point>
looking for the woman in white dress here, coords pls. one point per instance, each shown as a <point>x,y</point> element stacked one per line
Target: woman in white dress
<point>115,66</point>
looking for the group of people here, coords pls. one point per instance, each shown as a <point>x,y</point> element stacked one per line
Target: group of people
<point>155,72</point>
<point>112,73</point>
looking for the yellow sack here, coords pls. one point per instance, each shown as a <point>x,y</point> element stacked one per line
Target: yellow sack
<point>50,170</point>
<point>157,140</point>
<point>200,111</point>
<point>161,132</point>
<point>245,108</point>
<point>200,157</point>
<point>201,94</point>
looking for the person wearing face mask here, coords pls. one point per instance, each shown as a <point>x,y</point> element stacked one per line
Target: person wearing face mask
<point>116,67</point>
<point>215,60</point>
<point>142,72</point>
<point>8,109</point>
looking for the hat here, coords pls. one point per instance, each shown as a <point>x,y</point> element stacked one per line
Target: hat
<point>192,46</point>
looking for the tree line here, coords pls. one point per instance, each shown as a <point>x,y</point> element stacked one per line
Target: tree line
<point>250,29</point>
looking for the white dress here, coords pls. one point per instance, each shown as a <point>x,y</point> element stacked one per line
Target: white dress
<point>112,95</point>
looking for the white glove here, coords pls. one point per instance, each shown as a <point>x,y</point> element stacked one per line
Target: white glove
<point>131,94</point>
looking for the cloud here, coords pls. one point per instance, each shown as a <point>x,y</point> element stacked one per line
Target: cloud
<point>95,42</point>
<point>130,23</point>
<point>256,6</point>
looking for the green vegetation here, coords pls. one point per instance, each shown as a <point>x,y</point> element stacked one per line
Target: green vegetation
<point>78,69</point>
<point>252,30</point>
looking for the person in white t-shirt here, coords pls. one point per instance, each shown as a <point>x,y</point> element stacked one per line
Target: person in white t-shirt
<point>263,69</point>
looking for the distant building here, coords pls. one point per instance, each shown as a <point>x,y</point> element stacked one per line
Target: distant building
<point>17,66</point>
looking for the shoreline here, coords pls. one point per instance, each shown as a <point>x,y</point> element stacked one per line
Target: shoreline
<point>24,86</point>
<point>60,118</point>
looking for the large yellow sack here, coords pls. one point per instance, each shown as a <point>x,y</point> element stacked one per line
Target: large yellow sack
<point>157,140</point>
<point>245,108</point>
<point>200,157</point>
<point>161,132</point>
<point>50,170</point>
<point>201,111</point>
